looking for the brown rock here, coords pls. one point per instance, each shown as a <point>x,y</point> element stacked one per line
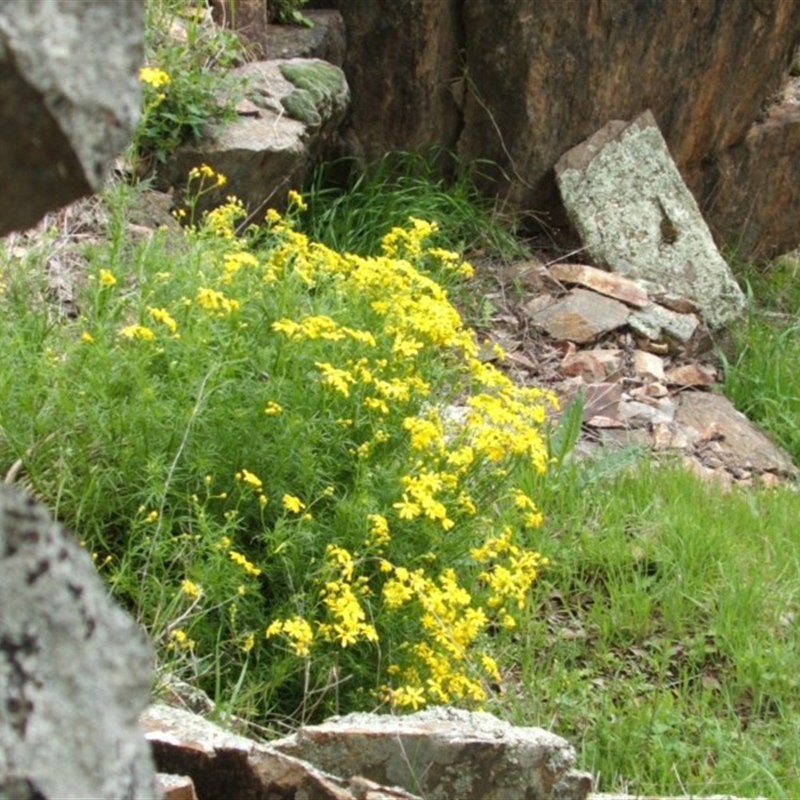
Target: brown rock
<point>601,404</point>
<point>594,366</point>
<point>755,185</point>
<point>176,787</point>
<point>581,316</point>
<point>602,281</point>
<point>325,40</point>
<point>691,375</point>
<point>713,417</point>
<point>648,365</point>
<point>248,18</point>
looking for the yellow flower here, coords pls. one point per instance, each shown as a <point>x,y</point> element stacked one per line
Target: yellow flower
<point>87,337</point>
<point>248,477</point>
<point>152,516</point>
<point>249,642</point>
<point>191,589</point>
<point>163,316</point>
<point>239,559</point>
<point>106,278</point>
<point>295,198</point>
<point>154,77</point>
<point>292,503</point>
<point>137,332</point>
<point>273,408</point>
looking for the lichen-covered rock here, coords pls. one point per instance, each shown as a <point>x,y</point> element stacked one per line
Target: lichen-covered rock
<point>69,99</point>
<point>444,754</point>
<point>636,216</point>
<point>74,670</point>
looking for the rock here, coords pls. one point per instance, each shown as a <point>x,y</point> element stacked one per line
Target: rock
<point>444,753</point>
<point>325,40</point>
<point>636,216</point>
<point>516,86</point>
<point>70,100</point>
<point>581,316</point>
<point>74,669</point>
<point>742,444</point>
<point>691,375</point>
<point>648,365</point>
<point>638,414</point>
<point>302,102</point>
<point>248,18</point>
<point>754,186</point>
<point>594,366</point>
<point>177,787</point>
<point>659,324</point>
<point>601,281</point>
<point>223,764</point>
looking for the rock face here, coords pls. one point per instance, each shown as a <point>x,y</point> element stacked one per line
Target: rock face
<point>444,753</point>
<point>74,670</point>
<point>69,99</point>
<point>636,216</point>
<point>293,112</point>
<point>521,81</point>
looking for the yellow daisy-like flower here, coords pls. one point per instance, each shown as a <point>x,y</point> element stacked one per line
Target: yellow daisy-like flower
<point>106,278</point>
<point>292,503</point>
<point>153,76</point>
<point>191,589</point>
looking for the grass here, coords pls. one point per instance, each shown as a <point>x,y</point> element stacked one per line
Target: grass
<point>256,436</point>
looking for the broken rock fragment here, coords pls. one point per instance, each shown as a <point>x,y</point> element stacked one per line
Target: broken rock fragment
<point>601,281</point>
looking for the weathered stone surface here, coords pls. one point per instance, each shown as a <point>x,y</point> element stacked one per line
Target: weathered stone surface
<point>74,669</point>
<point>69,99</point>
<point>223,764</point>
<point>656,411</point>
<point>741,444</point>
<point>691,375</point>
<point>444,753</point>
<point>648,365</point>
<point>658,323</point>
<point>177,787</point>
<point>302,102</point>
<point>601,281</point>
<point>581,316</point>
<point>325,40</point>
<point>594,366</point>
<point>661,235</point>
<point>248,18</point>
<point>754,187</point>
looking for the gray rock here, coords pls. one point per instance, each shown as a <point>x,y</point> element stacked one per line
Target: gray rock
<point>223,764</point>
<point>632,209</point>
<point>444,754</point>
<point>74,669</point>
<point>299,105</point>
<point>69,99</point>
<point>657,323</point>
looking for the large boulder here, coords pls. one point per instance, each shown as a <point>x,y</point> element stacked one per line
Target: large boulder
<point>519,82</point>
<point>74,670</point>
<point>69,99</point>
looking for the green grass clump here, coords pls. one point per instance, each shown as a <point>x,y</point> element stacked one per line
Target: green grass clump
<point>762,376</point>
<point>662,639</point>
<point>354,206</point>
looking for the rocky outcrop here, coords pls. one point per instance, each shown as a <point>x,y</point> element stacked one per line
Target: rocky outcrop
<point>74,670</point>
<point>291,115</point>
<point>520,82</point>
<point>69,100</point>
<point>439,753</point>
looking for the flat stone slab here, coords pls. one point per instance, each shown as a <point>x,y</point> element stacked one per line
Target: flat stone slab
<point>739,444</point>
<point>638,218</point>
<point>581,316</point>
<point>601,281</point>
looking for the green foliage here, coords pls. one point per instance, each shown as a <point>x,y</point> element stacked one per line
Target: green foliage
<point>762,375</point>
<point>351,208</point>
<point>288,12</point>
<point>259,441</point>
<point>185,85</point>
